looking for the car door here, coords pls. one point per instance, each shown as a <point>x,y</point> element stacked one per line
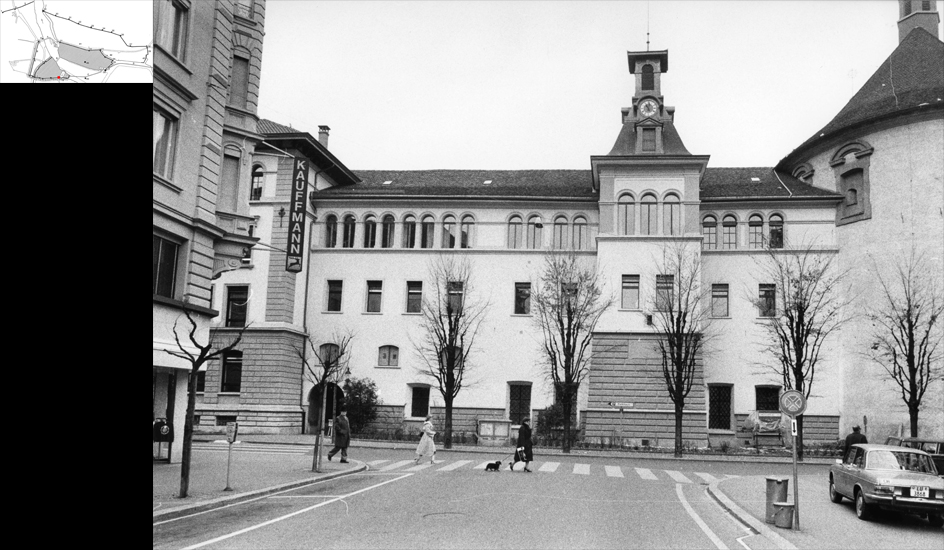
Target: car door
<point>844,473</point>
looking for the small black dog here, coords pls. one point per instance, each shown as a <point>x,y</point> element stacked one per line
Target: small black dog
<point>493,466</point>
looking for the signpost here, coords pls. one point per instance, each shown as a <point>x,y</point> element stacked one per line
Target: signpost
<point>792,403</point>
<point>621,406</point>
<point>231,429</point>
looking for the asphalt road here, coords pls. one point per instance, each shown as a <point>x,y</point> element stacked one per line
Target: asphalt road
<point>583,502</point>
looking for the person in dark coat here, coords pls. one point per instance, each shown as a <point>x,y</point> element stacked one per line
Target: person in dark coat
<point>853,438</point>
<point>523,449</point>
<point>342,437</point>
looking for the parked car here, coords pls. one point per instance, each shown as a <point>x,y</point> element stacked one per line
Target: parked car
<point>889,478</point>
<point>933,447</point>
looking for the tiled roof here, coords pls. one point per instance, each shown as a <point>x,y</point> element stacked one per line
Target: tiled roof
<point>626,141</point>
<point>311,147</point>
<point>911,79</point>
<point>738,183</point>
<point>265,126</point>
<point>504,183</point>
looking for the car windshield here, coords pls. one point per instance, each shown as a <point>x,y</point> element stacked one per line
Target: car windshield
<point>900,460</point>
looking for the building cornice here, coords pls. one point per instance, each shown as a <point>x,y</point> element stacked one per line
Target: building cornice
<point>181,305</point>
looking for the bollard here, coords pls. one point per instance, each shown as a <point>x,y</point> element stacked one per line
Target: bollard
<point>784,515</point>
<point>776,492</point>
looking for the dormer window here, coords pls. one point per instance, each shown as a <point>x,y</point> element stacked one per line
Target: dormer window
<point>648,82</point>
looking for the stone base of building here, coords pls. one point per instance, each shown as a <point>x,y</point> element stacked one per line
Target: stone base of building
<point>643,428</point>
<point>261,420</point>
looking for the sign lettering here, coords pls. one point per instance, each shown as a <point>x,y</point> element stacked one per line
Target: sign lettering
<point>296,218</point>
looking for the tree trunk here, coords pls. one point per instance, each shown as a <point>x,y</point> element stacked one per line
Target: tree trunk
<point>188,432</point>
<point>447,431</point>
<point>799,438</point>
<point>678,428</point>
<point>913,413</point>
<point>565,446</point>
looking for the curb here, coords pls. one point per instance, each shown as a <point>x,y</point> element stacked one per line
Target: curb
<point>185,510</point>
<point>747,519</point>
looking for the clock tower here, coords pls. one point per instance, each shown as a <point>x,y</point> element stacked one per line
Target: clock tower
<point>648,111</point>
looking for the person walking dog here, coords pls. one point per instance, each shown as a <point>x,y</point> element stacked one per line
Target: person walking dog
<point>426,445</point>
<point>523,452</point>
<point>342,437</point>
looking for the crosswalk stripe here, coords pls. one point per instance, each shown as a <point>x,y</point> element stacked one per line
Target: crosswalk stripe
<point>646,474</point>
<point>549,467</point>
<point>613,471</point>
<point>376,462</point>
<point>454,465</point>
<point>707,477</point>
<point>395,465</point>
<point>678,476</point>
<point>583,469</point>
<point>418,467</point>
<point>481,466</point>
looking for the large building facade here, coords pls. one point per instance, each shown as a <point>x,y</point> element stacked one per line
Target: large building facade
<point>870,183</point>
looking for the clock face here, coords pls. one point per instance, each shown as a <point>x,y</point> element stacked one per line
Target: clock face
<point>648,108</point>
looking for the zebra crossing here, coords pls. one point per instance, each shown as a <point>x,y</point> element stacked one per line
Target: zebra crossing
<point>579,469</point>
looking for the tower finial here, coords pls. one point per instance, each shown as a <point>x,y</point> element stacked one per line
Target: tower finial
<point>647,25</point>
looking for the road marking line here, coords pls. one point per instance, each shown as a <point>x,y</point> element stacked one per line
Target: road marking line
<point>549,467</point>
<point>582,469</point>
<point>306,496</point>
<point>613,471</point>
<point>418,467</point>
<point>707,477</point>
<point>376,462</point>
<point>646,474</point>
<point>396,465</point>
<point>286,516</point>
<point>678,476</point>
<point>481,466</point>
<point>454,465</point>
<point>714,538</point>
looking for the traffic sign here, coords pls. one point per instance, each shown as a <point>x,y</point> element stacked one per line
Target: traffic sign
<point>792,403</point>
<point>621,405</point>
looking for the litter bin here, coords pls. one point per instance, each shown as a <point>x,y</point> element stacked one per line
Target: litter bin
<point>776,492</point>
<point>783,515</point>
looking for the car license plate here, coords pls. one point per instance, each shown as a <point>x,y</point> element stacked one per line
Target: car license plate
<point>919,492</point>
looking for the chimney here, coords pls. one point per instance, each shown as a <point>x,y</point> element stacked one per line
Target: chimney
<point>917,13</point>
<point>323,135</point>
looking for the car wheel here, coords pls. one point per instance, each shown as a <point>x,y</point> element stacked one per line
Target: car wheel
<point>862,508</point>
<point>833,495</point>
<point>936,520</point>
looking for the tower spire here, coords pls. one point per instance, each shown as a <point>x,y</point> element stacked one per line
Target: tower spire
<point>647,25</point>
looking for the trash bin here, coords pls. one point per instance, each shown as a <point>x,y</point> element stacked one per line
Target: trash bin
<point>783,515</point>
<point>776,492</point>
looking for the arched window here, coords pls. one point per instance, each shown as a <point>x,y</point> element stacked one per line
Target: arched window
<point>776,231</point>
<point>370,231</point>
<point>257,177</point>
<point>534,232</point>
<point>386,239</point>
<point>331,231</point>
<point>465,231</point>
<point>625,210</point>
<point>409,231</point>
<point>328,355</point>
<point>449,232</point>
<point>349,225</point>
<point>755,225</point>
<point>851,197</point>
<point>426,237</point>
<point>388,356</point>
<point>580,233</point>
<point>514,232</point>
<point>709,230</point>
<point>729,232</point>
<point>671,215</point>
<point>648,217</point>
<point>647,80</point>
<point>560,233</point>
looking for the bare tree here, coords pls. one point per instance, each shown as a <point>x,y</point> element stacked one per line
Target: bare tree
<point>451,316</point>
<point>204,354</point>
<point>802,308</point>
<point>567,304</point>
<point>680,314</point>
<point>328,364</point>
<point>906,329</point>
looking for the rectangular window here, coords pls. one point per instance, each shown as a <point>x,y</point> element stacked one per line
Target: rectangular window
<point>201,382</point>
<point>165,142</point>
<point>172,30</point>
<point>414,297</point>
<point>664,292</point>
<point>767,301</point>
<point>420,405</point>
<point>374,293</point>
<point>523,298</point>
<point>164,273</point>
<point>232,371</point>
<point>334,295</point>
<point>719,407</point>
<point>229,184</point>
<point>239,85</point>
<point>768,398</point>
<point>648,139</point>
<point>519,406</point>
<point>237,298</point>
<point>389,356</point>
<point>630,297</point>
<point>427,234</point>
<point>455,289</point>
<point>719,300</point>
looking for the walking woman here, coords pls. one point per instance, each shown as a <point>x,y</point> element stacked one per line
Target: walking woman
<point>523,452</point>
<point>426,445</point>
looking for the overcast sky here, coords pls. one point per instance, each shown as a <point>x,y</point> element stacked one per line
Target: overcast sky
<point>524,85</point>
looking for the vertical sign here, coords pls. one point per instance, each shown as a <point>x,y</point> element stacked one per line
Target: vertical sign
<point>296,219</point>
